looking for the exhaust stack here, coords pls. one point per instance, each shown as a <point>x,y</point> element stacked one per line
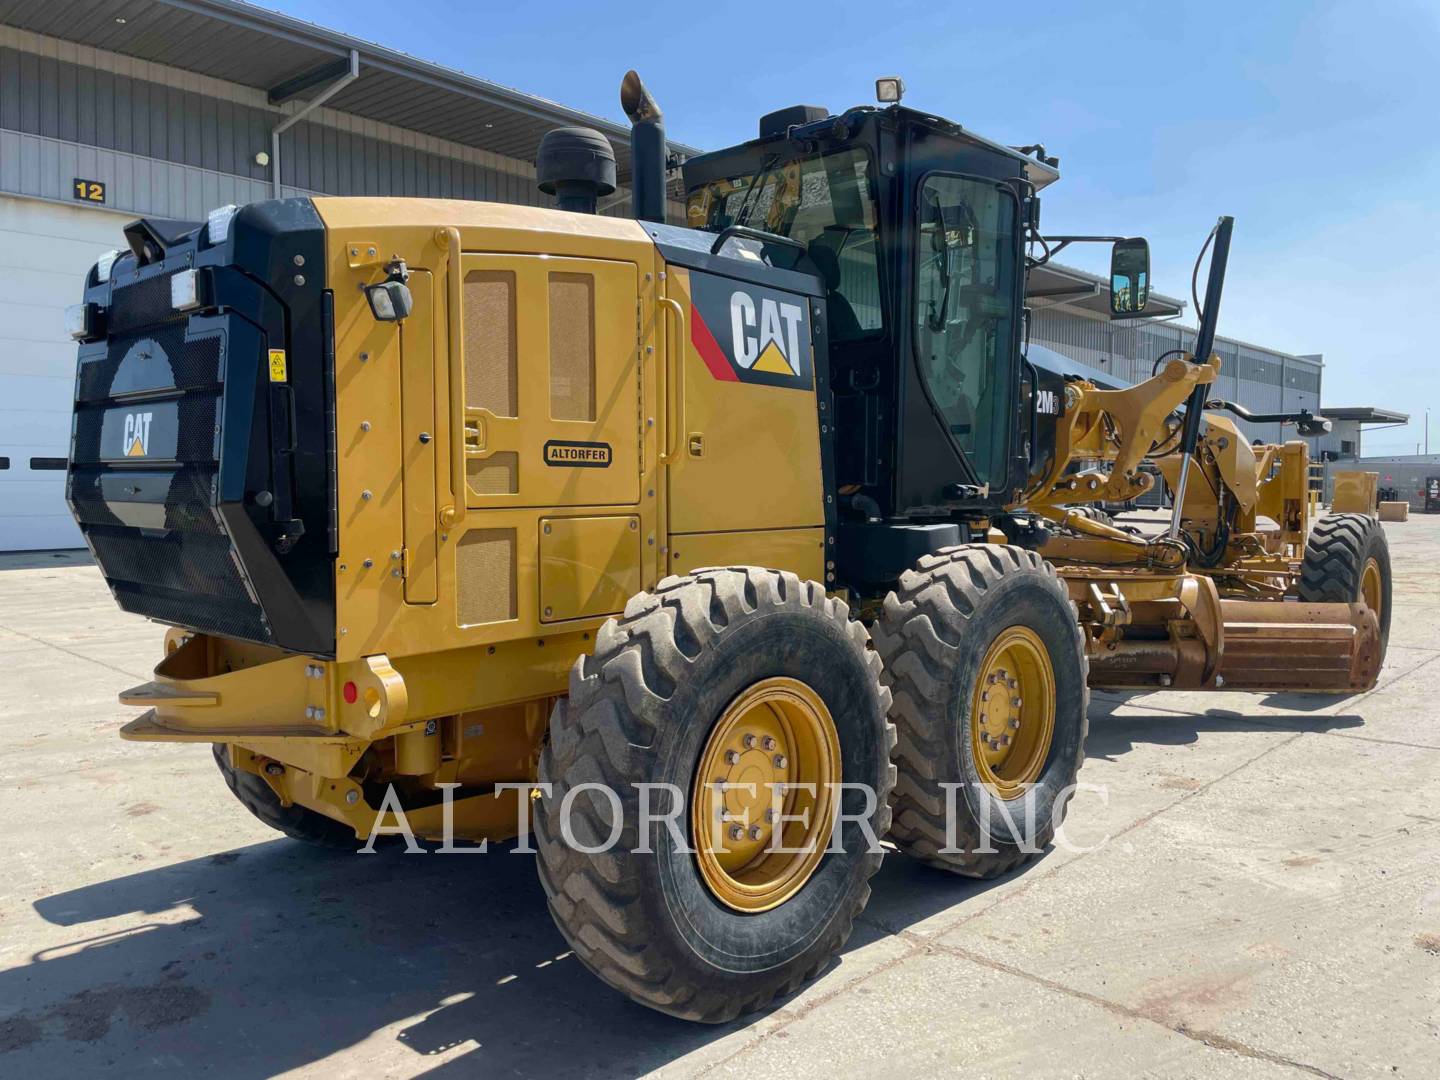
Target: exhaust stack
<point>647,149</point>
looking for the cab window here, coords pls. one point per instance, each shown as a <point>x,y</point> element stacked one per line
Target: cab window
<point>824,200</point>
<point>965,314</point>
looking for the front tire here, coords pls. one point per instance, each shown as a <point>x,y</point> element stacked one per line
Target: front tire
<point>1347,560</point>
<point>983,652</point>
<point>715,675</point>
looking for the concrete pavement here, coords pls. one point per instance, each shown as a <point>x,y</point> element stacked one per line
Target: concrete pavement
<point>1265,902</point>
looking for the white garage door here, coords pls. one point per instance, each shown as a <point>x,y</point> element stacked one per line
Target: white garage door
<point>45,251</point>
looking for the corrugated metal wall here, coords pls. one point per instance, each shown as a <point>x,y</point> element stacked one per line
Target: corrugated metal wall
<point>1262,380</point>
<point>68,111</point>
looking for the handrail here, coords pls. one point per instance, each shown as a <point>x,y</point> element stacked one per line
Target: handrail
<point>674,346</point>
<point>745,231</point>
<point>454,514</point>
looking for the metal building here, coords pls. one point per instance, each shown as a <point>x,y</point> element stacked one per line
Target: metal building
<point>112,109</point>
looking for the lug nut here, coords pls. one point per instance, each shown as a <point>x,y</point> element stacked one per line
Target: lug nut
<point>780,761</point>
<point>1004,740</point>
<point>732,757</point>
<point>754,832</point>
<point>984,695</point>
<point>1015,702</point>
<point>1011,683</point>
<point>768,742</point>
<point>749,742</point>
<point>736,832</point>
<point>1015,725</point>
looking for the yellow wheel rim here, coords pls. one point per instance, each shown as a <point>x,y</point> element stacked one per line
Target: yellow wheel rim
<point>1372,588</point>
<point>762,805</point>
<point>1012,712</point>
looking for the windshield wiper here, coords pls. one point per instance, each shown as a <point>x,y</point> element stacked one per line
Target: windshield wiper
<point>742,216</point>
<point>938,319</point>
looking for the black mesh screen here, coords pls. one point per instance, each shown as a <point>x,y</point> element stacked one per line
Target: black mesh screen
<point>195,564</point>
<point>187,496</point>
<point>153,524</point>
<point>194,364</point>
<point>144,303</point>
<point>220,617</point>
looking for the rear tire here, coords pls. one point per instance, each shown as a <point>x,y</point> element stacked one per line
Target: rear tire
<point>937,635</point>
<point>1341,551</point>
<point>641,710</point>
<point>294,821</point>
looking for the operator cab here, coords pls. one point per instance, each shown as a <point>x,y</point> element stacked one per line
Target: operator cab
<point>917,229</point>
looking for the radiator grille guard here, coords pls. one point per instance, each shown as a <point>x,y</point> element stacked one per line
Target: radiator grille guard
<point>201,487</point>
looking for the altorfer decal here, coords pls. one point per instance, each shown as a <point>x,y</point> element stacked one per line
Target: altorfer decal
<point>580,455</point>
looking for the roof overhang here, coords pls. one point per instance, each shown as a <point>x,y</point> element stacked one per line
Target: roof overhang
<point>287,57</point>
<point>1366,414</point>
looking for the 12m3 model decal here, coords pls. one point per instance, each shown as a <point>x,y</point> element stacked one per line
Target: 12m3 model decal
<point>750,333</point>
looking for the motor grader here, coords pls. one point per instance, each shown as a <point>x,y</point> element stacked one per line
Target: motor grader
<point>699,558</point>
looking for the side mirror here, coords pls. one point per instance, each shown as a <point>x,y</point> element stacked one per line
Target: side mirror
<point>390,301</point>
<point>1129,276</point>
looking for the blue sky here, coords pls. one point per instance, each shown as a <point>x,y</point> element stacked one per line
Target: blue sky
<point>1314,124</point>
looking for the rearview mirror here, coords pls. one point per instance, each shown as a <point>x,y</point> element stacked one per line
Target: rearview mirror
<point>1129,276</point>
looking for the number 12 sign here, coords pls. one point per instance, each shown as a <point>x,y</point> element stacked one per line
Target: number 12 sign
<point>92,191</point>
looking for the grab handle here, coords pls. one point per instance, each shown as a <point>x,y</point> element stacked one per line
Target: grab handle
<point>454,514</point>
<point>674,348</point>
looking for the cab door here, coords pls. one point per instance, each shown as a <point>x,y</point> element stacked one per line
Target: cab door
<point>552,381</point>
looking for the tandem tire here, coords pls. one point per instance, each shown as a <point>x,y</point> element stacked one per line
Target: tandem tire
<point>294,821</point>
<point>983,652</point>
<point>740,675</point>
<point>1347,559</point>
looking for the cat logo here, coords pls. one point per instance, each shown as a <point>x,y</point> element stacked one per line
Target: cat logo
<point>1047,402</point>
<point>137,434</point>
<point>766,345</point>
<point>769,334</point>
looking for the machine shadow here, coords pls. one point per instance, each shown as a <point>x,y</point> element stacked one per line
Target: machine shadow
<point>1112,735</point>
<point>312,952</point>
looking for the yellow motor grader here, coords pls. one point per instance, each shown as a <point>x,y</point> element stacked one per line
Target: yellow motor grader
<point>699,558</point>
